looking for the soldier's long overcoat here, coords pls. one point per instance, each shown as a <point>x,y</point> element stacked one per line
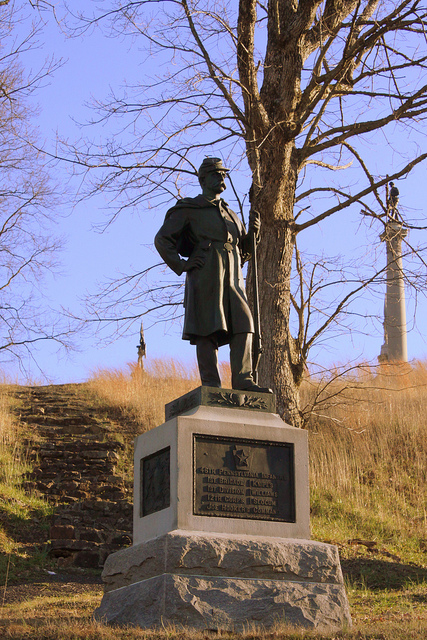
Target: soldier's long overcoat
<point>215,299</point>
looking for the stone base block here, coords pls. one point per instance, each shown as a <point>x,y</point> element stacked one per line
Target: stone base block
<point>225,603</point>
<point>225,582</point>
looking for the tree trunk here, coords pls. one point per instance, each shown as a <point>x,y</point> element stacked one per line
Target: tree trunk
<point>280,365</point>
<point>279,360</point>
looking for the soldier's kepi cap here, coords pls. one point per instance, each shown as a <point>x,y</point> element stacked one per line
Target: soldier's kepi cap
<point>211,164</point>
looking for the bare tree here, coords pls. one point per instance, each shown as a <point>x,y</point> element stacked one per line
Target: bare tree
<point>27,200</point>
<point>292,91</point>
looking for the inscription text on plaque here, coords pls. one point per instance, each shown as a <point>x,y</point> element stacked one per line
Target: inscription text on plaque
<point>242,478</point>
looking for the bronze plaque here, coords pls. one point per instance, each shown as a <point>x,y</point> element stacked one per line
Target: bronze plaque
<point>240,478</point>
<point>155,482</point>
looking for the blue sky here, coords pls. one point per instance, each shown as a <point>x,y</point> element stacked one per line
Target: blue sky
<point>91,66</point>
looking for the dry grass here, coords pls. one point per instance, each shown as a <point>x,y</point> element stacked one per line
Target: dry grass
<point>368,449</point>
<point>368,459</point>
<point>10,447</point>
<point>70,618</point>
<point>142,394</point>
<point>70,627</point>
<point>368,467</point>
<point>20,513</point>
<point>12,460</point>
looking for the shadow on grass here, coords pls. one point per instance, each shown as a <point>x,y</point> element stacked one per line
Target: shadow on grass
<point>27,534</point>
<point>380,574</point>
<point>26,526</point>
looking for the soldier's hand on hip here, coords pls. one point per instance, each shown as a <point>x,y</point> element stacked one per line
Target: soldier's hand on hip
<point>196,261</point>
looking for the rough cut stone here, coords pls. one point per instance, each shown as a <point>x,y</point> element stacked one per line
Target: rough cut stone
<point>61,532</point>
<point>69,545</point>
<point>182,552</point>
<point>218,581</point>
<point>87,559</point>
<point>226,603</point>
<point>95,454</point>
<point>122,539</point>
<point>91,535</point>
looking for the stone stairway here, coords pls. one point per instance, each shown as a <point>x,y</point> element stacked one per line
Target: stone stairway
<point>75,453</point>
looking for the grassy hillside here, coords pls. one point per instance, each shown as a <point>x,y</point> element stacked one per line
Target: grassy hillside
<point>368,468</point>
<point>368,463</point>
<point>24,517</point>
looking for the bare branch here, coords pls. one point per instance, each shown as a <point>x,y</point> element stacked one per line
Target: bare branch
<point>357,198</point>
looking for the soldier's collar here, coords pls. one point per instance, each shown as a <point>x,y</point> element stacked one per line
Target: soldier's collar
<point>216,201</point>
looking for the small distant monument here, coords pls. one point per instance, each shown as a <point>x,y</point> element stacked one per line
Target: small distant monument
<point>395,347</point>
<point>141,348</point>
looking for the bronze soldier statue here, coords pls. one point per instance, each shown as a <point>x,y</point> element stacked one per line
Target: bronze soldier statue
<point>393,201</point>
<point>206,231</point>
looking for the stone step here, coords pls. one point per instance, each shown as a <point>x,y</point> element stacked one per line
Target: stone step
<point>73,443</point>
<point>75,461</point>
<point>59,421</point>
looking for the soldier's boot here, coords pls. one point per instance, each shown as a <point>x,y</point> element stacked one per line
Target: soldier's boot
<point>241,364</point>
<point>207,359</point>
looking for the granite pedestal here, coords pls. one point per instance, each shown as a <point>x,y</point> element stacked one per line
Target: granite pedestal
<point>221,524</point>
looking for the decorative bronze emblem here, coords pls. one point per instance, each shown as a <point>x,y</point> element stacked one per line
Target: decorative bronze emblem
<point>240,457</point>
<point>220,397</point>
<point>227,399</point>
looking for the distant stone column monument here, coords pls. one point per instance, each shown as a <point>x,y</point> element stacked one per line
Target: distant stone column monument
<point>222,526</point>
<point>395,347</point>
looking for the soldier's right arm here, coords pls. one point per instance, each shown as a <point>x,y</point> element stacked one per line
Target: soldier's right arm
<point>167,238</point>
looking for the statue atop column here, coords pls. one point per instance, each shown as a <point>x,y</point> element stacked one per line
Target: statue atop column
<point>393,201</point>
<point>210,235</point>
<point>394,348</point>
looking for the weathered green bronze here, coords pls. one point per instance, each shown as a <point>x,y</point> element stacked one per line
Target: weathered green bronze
<point>206,231</point>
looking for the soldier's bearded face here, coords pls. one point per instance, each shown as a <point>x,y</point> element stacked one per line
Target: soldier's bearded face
<point>215,181</point>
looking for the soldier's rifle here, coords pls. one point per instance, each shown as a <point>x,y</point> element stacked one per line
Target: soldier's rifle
<point>257,347</point>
